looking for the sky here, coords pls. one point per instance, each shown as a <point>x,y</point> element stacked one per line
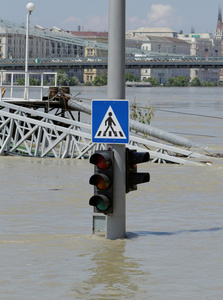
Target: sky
<point>93,14</point>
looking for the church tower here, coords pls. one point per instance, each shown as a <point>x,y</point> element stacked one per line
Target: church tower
<point>219,37</point>
<point>219,30</point>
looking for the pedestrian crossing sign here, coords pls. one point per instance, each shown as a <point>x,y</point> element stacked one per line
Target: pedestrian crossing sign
<point>110,121</point>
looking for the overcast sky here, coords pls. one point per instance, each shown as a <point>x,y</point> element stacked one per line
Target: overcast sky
<point>93,14</point>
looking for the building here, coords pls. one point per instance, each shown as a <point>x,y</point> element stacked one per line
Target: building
<point>167,41</point>
<point>203,45</point>
<point>43,43</point>
<point>170,46</point>
<point>92,51</point>
<point>160,41</point>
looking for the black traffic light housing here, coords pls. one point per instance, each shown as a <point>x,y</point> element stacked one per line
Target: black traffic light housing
<point>103,160</point>
<point>132,177</point>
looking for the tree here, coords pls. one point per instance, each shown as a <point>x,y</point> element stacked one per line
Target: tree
<point>154,81</point>
<point>32,81</point>
<point>170,81</point>
<point>21,81</point>
<point>181,81</point>
<point>73,81</point>
<point>99,81</point>
<point>195,82</point>
<point>62,78</point>
<point>131,77</point>
<point>177,81</point>
<point>209,83</point>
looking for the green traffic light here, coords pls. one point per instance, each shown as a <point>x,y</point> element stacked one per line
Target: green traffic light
<point>101,205</point>
<point>101,202</point>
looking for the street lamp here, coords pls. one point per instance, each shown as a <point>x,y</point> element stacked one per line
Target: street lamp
<point>30,7</point>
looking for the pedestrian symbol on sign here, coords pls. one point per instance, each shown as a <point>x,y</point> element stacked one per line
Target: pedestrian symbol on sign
<point>110,121</point>
<point>110,126</point>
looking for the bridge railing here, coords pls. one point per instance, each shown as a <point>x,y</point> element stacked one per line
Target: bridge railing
<point>14,90</point>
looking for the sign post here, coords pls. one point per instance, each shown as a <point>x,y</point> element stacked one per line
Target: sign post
<point>110,125</point>
<point>116,222</point>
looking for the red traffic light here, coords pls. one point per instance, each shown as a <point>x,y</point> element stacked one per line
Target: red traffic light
<point>102,161</point>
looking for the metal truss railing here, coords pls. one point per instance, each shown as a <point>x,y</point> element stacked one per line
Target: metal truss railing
<point>31,132</point>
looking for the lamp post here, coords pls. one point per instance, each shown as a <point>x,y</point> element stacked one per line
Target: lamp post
<point>30,7</point>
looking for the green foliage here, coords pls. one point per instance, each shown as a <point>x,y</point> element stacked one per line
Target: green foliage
<point>87,83</point>
<point>131,77</point>
<point>141,114</point>
<point>64,80</point>
<point>177,81</point>
<point>209,84</point>
<point>195,82</point>
<point>20,81</point>
<point>32,81</point>
<point>154,81</point>
<point>170,82</point>
<point>73,81</point>
<point>45,82</point>
<point>99,81</point>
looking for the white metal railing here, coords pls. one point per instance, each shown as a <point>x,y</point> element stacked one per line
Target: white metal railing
<point>50,135</point>
<point>7,80</point>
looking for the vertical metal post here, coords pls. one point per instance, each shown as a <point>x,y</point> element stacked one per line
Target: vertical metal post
<point>116,223</point>
<point>27,57</point>
<point>30,7</point>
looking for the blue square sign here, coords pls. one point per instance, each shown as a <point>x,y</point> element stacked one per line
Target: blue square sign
<point>110,121</point>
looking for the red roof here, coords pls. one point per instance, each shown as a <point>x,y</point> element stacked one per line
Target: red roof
<point>90,34</point>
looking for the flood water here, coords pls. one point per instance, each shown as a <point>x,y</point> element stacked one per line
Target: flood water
<point>174,223</point>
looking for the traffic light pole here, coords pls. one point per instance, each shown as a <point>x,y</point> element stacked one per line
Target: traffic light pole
<point>116,222</point>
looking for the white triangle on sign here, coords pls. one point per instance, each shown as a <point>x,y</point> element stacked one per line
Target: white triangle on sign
<point>110,127</point>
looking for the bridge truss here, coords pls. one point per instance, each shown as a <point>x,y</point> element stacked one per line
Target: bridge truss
<point>25,131</point>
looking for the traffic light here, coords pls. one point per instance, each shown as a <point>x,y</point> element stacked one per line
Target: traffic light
<point>132,177</point>
<point>102,181</point>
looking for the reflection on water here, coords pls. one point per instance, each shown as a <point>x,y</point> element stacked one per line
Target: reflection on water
<point>174,223</point>
<point>111,274</point>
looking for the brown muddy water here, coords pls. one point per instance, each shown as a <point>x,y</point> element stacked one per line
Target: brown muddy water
<point>174,223</point>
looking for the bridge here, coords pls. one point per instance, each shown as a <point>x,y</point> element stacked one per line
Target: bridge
<point>135,58</point>
<point>149,62</point>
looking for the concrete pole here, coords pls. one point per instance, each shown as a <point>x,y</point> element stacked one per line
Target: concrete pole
<point>116,223</point>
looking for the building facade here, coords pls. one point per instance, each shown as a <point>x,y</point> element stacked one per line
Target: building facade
<point>167,41</point>
<point>203,45</point>
<point>160,41</point>
<point>43,43</point>
<point>169,46</point>
<point>91,51</point>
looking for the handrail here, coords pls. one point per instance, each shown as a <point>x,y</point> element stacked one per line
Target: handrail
<point>4,83</point>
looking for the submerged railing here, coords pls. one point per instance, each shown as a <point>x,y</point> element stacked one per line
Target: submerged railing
<point>8,83</point>
<point>31,132</point>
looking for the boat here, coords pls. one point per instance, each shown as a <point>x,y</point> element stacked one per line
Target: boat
<point>138,84</point>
